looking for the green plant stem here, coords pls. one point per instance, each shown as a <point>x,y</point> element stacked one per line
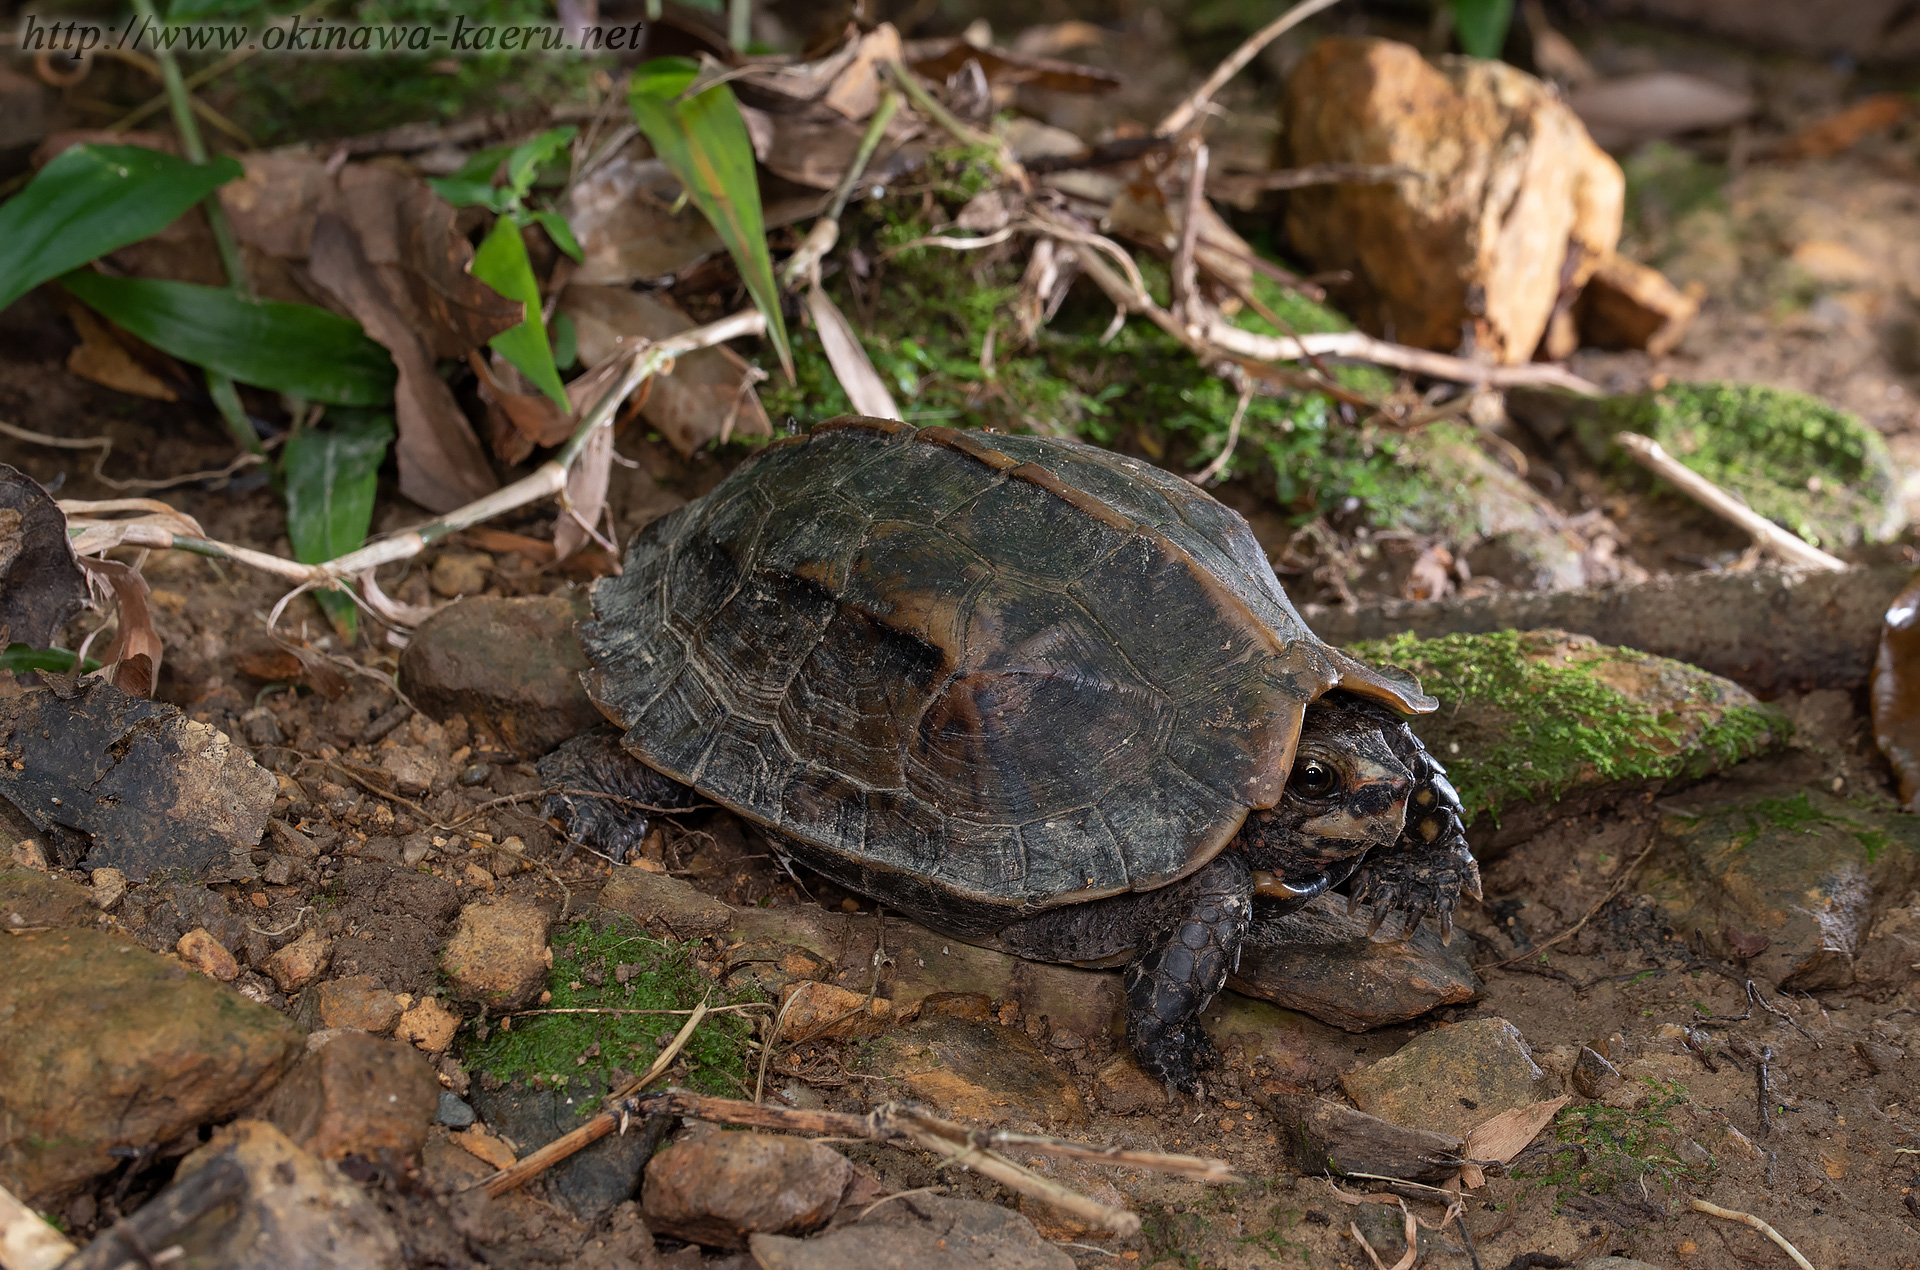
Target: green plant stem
<point>225,397</point>
<point>739,24</point>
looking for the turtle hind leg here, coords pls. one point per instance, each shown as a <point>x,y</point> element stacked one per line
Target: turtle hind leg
<point>1182,966</point>
<point>605,797</point>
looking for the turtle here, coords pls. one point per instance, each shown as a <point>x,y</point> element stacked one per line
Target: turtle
<point>1028,692</point>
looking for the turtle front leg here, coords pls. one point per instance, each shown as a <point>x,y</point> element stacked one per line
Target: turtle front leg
<point>1429,866</point>
<point>607,798</point>
<point>1183,965</point>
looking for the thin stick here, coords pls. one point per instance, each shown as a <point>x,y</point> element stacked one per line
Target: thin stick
<point>27,1242</point>
<point>196,80</point>
<point>1748,1219</point>
<point>1790,548</point>
<point>1186,276</point>
<point>1183,114</point>
<point>1219,463</point>
<point>105,447</point>
<point>598,1127</point>
<point>826,231</point>
<point>1365,348</point>
<point>1618,886</point>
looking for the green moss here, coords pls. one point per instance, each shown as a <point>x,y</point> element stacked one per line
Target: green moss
<point>662,976</point>
<point>1796,460</point>
<point>938,308</point>
<point>1602,1149</point>
<point>1530,716</point>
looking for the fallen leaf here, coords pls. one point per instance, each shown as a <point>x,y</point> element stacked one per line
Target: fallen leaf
<point>1633,108</point>
<point>1744,944</point>
<point>520,419</point>
<point>937,59</point>
<point>586,496</point>
<point>41,585</point>
<point>105,355</point>
<point>1429,579</point>
<point>1506,1135</point>
<point>132,661</point>
<point>441,464</point>
<point>851,365</point>
<point>1150,209</point>
<point>706,390</point>
<point>1838,133</point>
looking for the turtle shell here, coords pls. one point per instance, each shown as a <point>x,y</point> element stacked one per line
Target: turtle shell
<point>1023,671</point>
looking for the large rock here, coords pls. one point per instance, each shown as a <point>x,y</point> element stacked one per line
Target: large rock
<point>1320,962</point>
<point>1512,204</point>
<point>116,781</point>
<point>1451,1079</point>
<point>296,1212</point>
<point>1792,885</point>
<point>511,665</point>
<point>109,1046</point>
<point>919,1232</point>
<point>978,1071</point>
<point>1769,630</point>
<point>30,898</point>
<point>358,1095</point>
<point>1531,719</point>
<point>719,1188</point>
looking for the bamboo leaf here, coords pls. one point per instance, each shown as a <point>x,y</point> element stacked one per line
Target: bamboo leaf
<point>704,141</point>
<point>290,348</point>
<point>330,475</point>
<point>1482,25</point>
<point>92,200</point>
<point>501,262</point>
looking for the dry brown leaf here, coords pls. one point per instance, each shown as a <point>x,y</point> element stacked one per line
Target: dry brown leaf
<point>441,464</point>
<point>1506,1135</point>
<point>707,391</point>
<point>1430,578</point>
<point>586,496</point>
<point>41,585</point>
<point>132,661</point>
<point>106,355</point>
<point>937,59</point>
<point>1633,108</point>
<point>851,365</point>
<point>855,91</point>
<point>1838,133</point>
<point>521,416</point>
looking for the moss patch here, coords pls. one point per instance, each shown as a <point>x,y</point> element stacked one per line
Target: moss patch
<point>1796,460</point>
<point>1534,715</point>
<point>589,962</point>
<point>1602,1149</point>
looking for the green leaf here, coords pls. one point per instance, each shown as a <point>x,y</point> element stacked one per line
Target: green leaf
<point>704,141</point>
<point>92,200</point>
<point>21,658</point>
<point>523,165</point>
<point>462,192</point>
<point>330,477</point>
<point>291,348</point>
<point>501,262</point>
<point>1482,25</point>
<point>562,233</point>
<point>566,341</point>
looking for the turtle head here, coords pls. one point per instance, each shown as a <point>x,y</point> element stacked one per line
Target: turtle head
<point>1346,794</point>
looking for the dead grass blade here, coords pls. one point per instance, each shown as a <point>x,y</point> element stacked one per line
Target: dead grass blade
<point>132,661</point>
<point>851,365</point>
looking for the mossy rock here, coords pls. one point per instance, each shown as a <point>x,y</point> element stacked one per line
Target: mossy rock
<point>1530,718</point>
<point>1803,464</point>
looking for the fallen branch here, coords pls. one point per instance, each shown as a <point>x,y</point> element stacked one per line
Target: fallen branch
<point>1364,348</point>
<point>27,1242</point>
<point>1196,101</point>
<point>547,481</point>
<point>1748,1219</point>
<point>1790,548</point>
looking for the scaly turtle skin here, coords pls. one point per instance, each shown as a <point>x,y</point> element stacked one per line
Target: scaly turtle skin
<point>1026,691</point>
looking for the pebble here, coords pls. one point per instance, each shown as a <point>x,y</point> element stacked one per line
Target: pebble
<point>300,962</point>
<point>359,1095</point>
<point>666,904</point>
<point>498,955</point>
<point>458,573</point>
<point>1450,1079</point>
<point>1321,962</point>
<point>110,1046</point>
<point>354,1001</point>
<point>718,1188</point>
<point>930,1232</point>
<point>109,887</point>
<point>476,774</point>
<point>1594,1076</point>
<point>810,1009</point>
<point>207,955</point>
<point>429,1025</point>
<point>452,1111</point>
<point>415,772</point>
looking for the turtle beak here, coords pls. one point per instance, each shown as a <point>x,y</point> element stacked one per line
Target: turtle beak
<point>1374,807</point>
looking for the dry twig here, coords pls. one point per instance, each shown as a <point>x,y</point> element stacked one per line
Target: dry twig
<point>1790,548</point>
<point>1196,101</point>
<point>1748,1219</point>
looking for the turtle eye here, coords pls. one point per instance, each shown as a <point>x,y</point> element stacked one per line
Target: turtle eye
<point>1314,779</point>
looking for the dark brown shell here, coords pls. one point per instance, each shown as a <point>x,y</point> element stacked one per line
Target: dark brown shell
<point>1027,670</point>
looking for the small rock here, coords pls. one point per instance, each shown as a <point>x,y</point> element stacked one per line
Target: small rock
<point>1741,1145</point>
<point>298,1213</point>
<point>1322,1134</point>
<point>1123,1089</point>
<point>591,1182</point>
<point>458,573</point>
<point>360,1095</point>
<point>148,787</point>
<point>1630,305</point>
<point>207,955</point>
<point>484,1146</point>
<point>300,962</point>
<point>428,1024</point>
<point>1450,1079</point>
<point>1513,200</point>
<point>719,1188</point>
<point>109,886</point>
<point>30,898</point>
<point>110,1046</point>
<point>822,1009</point>
<point>414,771</point>
<point>1594,1076</point>
<point>1320,962</point>
<point>29,854</point>
<point>978,1071</point>
<point>512,665</point>
<point>355,1001</point>
<point>452,1111</point>
<point>666,904</point>
<point>926,1232</point>
<point>498,956</point>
